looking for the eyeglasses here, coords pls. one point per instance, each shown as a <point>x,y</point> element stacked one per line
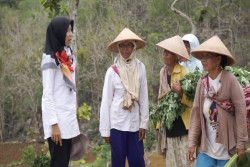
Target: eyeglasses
<point>166,52</point>
<point>206,56</point>
<point>126,45</point>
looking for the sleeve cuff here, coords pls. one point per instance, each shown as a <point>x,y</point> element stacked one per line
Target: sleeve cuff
<point>144,125</point>
<point>105,133</point>
<point>53,121</point>
<point>240,146</point>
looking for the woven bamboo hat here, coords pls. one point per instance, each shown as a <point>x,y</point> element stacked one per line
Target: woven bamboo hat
<point>175,45</point>
<point>126,35</point>
<point>79,145</point>
<point>213,45</point>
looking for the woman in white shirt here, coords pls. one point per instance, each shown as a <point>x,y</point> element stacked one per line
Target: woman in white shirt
<point>124,112</point>
<point>59,91</point>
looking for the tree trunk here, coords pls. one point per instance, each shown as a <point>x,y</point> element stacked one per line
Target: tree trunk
<point>1,122</point>
<point>73,14</point>
<point>35,121</point>
<point>184,16</point>
<point>148,155</point>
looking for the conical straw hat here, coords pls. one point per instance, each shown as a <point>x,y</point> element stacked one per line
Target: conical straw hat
<point>175,45</point>
<point>79,146</point>
<point>126,35</point>
<point>213,45</point>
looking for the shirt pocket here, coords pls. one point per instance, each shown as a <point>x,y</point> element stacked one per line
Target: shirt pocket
<point>118,84</point>
<point>119,88</point>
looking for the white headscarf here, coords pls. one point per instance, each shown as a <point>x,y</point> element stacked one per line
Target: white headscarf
<point>194,43</point>
<point>128,73</point>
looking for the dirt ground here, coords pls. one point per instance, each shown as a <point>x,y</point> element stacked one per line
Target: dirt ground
<point>12,152</point>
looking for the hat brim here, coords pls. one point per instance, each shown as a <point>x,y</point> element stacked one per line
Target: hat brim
<point>79,145</point>
<point>213,45</point>
<point>199,55</point>
<point>173,52</point>
<point>114,48</point>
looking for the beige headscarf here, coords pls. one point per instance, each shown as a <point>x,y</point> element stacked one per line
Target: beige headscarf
<point>128,73</point>
<point>128,68</point>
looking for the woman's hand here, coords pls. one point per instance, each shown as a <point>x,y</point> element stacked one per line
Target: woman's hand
<point>142,133</point>
<point>107,139</point>
<point>240,153</point>
<point>190,154</point>
<point>56,134</point>
<point>176,87</point>
<point>164,94</point>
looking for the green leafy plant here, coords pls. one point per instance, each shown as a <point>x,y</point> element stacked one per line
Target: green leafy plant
<point>150,140</point>
<point>29,155</point>
<point>189,83</point>
<point>80,162</point>
<point>41,160</point>
<point>243,76</point>
<point>54,7</point>
<point>169,109</point>
<point>103,156</point>
<point>84,112</point>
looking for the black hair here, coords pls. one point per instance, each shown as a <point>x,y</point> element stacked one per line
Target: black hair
<point>223,61</point>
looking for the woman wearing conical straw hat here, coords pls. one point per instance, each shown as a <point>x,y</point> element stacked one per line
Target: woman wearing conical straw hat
<point>124,112</point>
<point>217,125</point>
<point>174,142</point>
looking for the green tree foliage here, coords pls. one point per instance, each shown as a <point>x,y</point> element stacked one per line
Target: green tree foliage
<point>10,3</point>
<point>84,112</point>
<point>55,7</point>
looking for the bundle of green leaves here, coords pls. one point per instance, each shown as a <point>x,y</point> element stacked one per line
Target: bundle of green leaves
<point>243,76</point>
<point>169,108</point>
<point>189,83</point>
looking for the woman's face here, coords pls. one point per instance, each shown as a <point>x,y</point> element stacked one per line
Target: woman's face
<point>210,61</point>
<point>187,46</point>
<point>126,48</point>
<point>69,36</point>
<point>181,59</point>
<point>169,58</point>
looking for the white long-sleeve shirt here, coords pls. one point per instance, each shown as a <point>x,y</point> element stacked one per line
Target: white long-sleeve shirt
<point>112,116</point>
<point>58,102</point>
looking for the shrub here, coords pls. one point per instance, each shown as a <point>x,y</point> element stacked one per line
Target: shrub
<point>41,160</point>
<point>29,155</point>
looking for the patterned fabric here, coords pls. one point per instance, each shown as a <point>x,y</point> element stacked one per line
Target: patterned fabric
<point>247,98</point>
<point>227,104</point>
<point>66,68</point>
<point>63,58</point>
<point>210,93</point>
<point>176,152</point>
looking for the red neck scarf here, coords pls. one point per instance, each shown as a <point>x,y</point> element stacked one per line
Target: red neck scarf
<point>64,59</point>
<point>66,68</point>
